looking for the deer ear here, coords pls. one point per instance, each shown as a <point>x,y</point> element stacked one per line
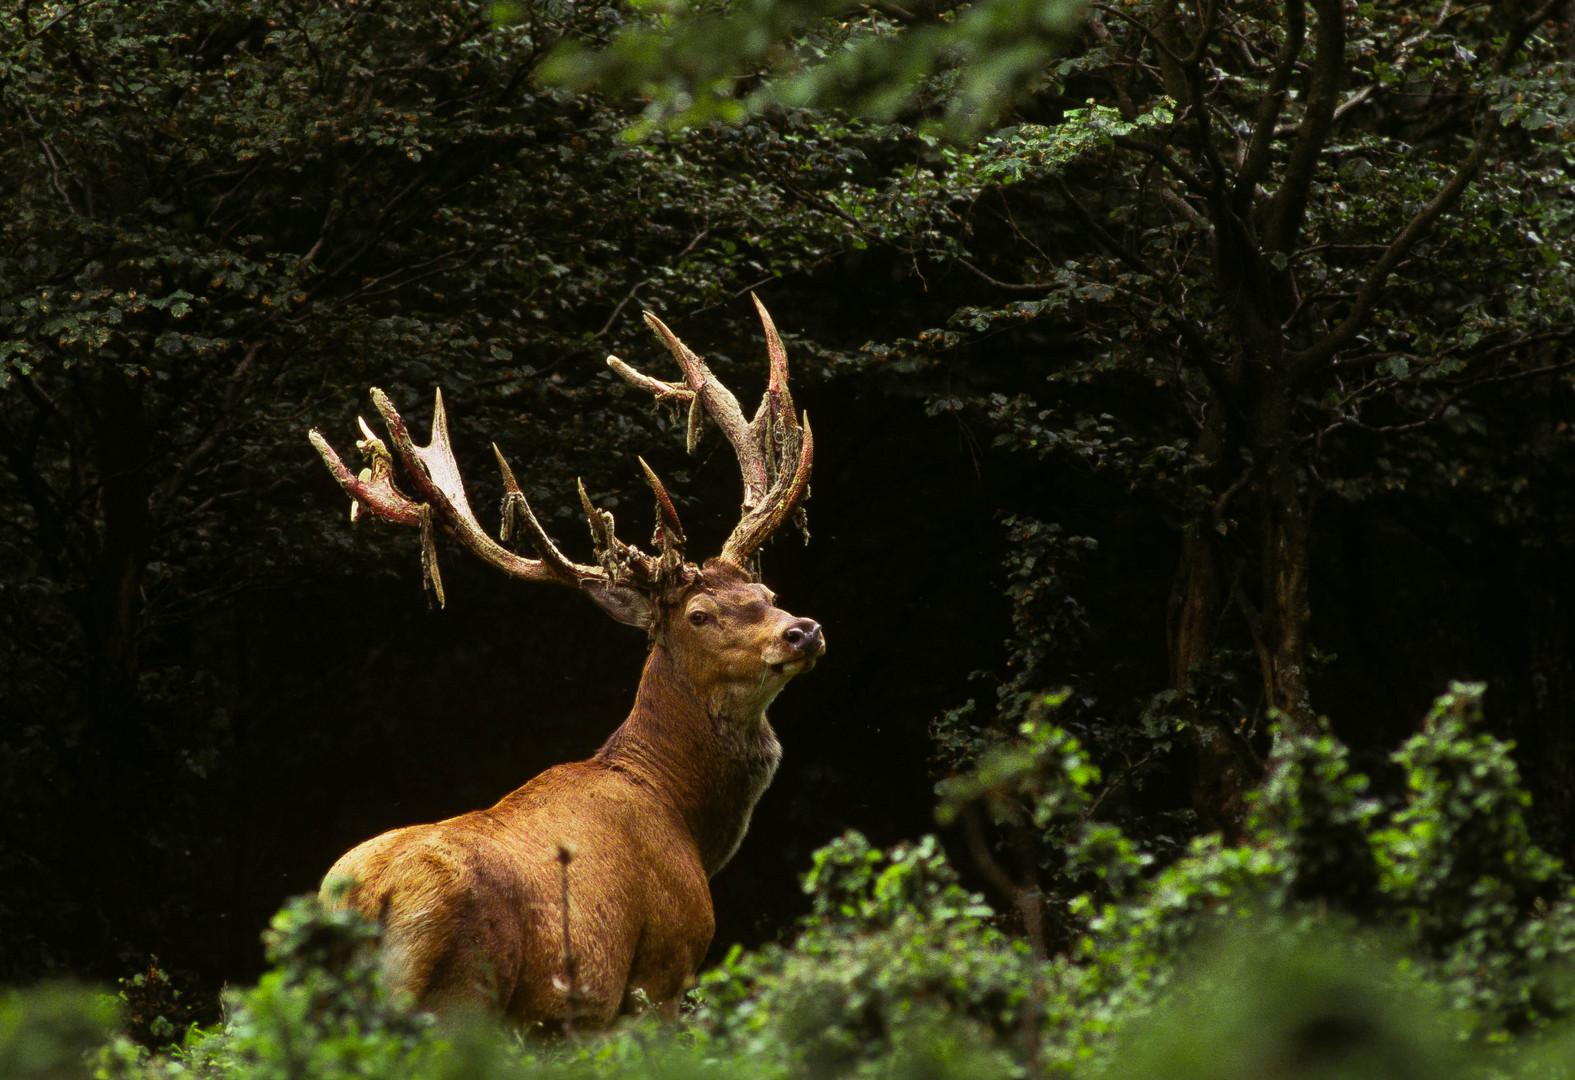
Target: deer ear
<point>627,605</point>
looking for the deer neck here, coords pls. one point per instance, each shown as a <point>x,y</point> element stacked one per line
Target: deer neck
<point>710,760</point>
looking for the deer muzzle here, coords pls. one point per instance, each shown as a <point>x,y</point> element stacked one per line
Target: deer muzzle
<point>805,643</point>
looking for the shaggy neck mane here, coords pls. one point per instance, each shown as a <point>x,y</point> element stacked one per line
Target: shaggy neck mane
<point>712,768</point>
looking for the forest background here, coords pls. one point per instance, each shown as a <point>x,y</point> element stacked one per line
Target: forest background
<point>1180,376</point>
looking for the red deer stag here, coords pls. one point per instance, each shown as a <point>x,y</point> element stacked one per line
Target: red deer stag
<point>590,882</point>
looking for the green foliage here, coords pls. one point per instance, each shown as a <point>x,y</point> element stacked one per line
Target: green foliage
<point>1476,913</point>
<point>322,1011</point>
<point>1272,1001</point>
<point>1034,151</point>
<point>1459,864</point>
<point>897,962</point>
<point>1042,777</point>
<point>1452,953</point>
<point>965,62</point>
<point>325,982</point>
<point>1315,808</point>
<point>157,1013</point>
<point>45,1032</point>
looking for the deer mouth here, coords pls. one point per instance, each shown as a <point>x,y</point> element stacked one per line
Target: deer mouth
<point>795,666</point>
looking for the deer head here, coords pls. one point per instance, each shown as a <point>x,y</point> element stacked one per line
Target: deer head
<point>730,641</point>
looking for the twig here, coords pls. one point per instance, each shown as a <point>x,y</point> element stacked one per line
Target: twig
<point>1307,360</point>
<point>1142,27</point>
<point>571,964</point>
<point>606,326</point>
<point>50,25</point>
<point>1038,286</point>
<point>673,261</point>
<point>1225,497</point>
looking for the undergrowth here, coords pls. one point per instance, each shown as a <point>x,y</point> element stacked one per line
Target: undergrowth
<point>1345,936</point>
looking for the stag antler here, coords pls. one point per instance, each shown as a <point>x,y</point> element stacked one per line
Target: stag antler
<point>434,472</point>
<point>774,452</point>
<point>774,455</point>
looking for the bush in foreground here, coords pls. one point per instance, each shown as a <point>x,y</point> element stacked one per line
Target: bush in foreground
<point>1345,936</point>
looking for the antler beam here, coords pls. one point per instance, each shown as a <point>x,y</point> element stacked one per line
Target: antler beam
<point>434,473</point>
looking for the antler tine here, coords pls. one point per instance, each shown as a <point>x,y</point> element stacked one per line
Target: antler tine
<point>723,407</point>
<point>775,425</point>
<point>434,473</point>
<point>777,395</point>
<point>374,487</point>
<point>518,516</point>
<point>669,531</point>
<point>785,497</point>
<point>603,538</point>
<point>663,391</point>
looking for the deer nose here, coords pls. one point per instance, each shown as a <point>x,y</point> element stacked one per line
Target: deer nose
<point>804,635</point>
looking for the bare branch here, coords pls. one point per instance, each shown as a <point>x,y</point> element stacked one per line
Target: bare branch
<point>1288,206</point>
<point>1306,360</point>
<point>1040,287</point>
<point>217,428</point>
<point>1256,161</point>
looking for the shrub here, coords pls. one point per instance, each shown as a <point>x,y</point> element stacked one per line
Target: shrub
<point>896,963</point>
<point>1345,936</point>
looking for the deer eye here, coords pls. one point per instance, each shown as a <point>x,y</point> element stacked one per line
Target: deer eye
<point>698,618</point>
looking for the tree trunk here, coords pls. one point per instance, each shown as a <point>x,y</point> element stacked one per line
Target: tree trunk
<point>1281,633</point>
<point>1221,768</point>
<point>1282,644</point>
<point>1252,418</point>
